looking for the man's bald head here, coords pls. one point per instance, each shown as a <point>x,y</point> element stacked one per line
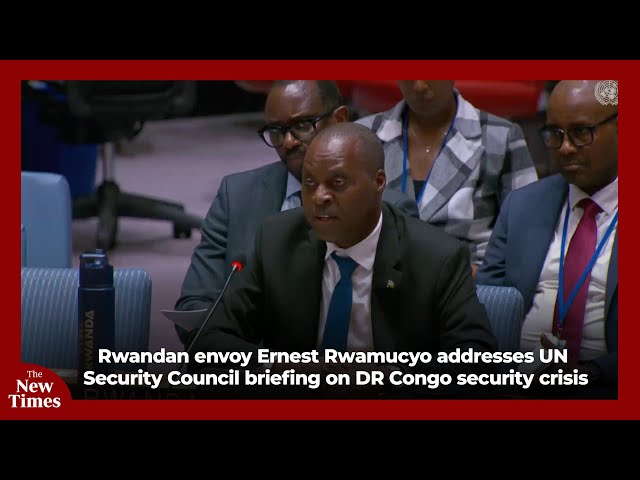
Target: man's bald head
<point>579,92</point>
<point>360,140</point>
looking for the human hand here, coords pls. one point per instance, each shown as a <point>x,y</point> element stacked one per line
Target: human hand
<point>474,270</point>
<point>543,378</point>
<point>549,342</point>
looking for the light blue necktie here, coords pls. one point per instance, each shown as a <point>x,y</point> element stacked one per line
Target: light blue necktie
<point>336,329</point>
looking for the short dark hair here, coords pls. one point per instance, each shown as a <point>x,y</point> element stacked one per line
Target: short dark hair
<point>330,95</point>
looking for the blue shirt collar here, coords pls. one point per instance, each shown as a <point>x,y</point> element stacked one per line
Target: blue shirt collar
<point>293,186</point>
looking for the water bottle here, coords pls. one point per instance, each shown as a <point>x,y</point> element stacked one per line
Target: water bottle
<point>96,312</point>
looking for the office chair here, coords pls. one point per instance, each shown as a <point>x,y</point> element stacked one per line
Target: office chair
<point>49,312</point>
<point>505,309</point>
<point>104,112</point>
<point>45,217</point>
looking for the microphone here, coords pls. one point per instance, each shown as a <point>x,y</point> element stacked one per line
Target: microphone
<point>236,266</point>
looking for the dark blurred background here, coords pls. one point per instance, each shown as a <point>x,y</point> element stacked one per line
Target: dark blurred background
<point>220,97</point>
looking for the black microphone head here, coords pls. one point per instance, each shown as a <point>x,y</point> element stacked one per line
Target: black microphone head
<point>237,265</point>
<point>239,262</point>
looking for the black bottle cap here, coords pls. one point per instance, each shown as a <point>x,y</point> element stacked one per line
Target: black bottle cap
<point>95,270</point>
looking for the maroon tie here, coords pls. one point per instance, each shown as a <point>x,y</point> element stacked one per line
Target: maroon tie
<point>581,249</point>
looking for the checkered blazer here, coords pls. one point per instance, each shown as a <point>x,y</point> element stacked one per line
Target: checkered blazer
<point>484,158</point>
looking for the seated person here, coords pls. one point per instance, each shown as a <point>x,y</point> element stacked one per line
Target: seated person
<point>458,162</point>
<point>406,284</point>
<point>295,111</point>
<point>556,240</point>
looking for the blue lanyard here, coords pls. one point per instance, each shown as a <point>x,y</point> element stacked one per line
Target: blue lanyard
<point>563,308</point>
<point>405,152</point>
<point>405,143</point>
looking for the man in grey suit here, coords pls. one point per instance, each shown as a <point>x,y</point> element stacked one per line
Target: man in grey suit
<point>537,227</point>
<point>295,111</point>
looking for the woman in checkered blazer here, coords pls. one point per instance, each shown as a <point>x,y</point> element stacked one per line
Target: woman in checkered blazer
<point>457,161</point>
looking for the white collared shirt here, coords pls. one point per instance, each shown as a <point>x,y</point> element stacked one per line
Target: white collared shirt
<point>292,195</point>
<point>540,317</point>
<point>364,254</point>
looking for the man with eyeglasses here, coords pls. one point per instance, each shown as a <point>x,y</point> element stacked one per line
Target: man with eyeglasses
<point>562,231</point>
<point>295,111</point>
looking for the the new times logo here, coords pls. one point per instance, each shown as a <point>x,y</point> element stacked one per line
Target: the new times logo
<point>31,393</point>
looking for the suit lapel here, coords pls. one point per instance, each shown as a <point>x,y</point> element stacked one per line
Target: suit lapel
<point>612,276</point>
<point>307,294</point>
<point>458,158</point>
<point>386,283</point>
<point>543,220</point>
<point>268,197</point>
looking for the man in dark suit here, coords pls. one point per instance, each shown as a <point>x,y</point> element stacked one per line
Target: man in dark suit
<point>408,284</point>
<point>295,110</point>
<point>525,249</point>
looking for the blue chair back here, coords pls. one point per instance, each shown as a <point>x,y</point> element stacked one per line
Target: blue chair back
<point>505,308</point>
<point>50,315</point>
<point>45,217</point>
<point>23,246</point>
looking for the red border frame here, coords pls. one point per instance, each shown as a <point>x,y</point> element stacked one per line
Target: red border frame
<point>14,71</point>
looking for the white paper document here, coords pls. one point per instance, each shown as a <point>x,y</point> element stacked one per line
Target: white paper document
<point>189,320</point>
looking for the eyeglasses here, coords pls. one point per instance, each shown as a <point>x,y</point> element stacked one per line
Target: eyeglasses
<point>303,129</point>
<point>580,136</point>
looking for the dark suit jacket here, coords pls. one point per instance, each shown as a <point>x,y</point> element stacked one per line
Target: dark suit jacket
<point>519,245</point>
<point>243,202</point>
<point>276,298</point>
